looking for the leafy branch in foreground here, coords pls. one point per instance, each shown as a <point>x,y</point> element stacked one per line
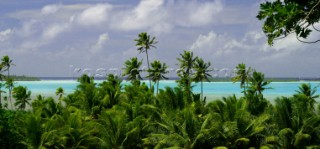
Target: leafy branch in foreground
<point>282,18</point>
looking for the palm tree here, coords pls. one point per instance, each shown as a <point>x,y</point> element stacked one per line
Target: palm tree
<point>144,42</point>
<point>78,132</point>
<point>1,84</point>
<point>308,93</point>
<point>297,125</point>
<point>243,75</point>
<point>186,63</point>
<point>85,97</point>
<point>7,63</point>
<point>110,91</point>
<point>112,129</point>
<point>9,85</point>
<point>60,92</point>
<point>30,127</point>
<point>22,96</point>
<point>257,83</point>
<point>202,70</point>
<point>131,69</point>
<point>157,71</point>
<point>307,90</point>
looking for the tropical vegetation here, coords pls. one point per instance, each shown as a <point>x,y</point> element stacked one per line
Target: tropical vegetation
<point>112,115</point>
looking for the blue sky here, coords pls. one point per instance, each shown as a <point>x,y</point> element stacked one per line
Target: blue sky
<point>57,38</point>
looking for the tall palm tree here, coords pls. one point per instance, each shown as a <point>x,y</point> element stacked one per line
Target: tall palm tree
<point>186,63</point>
<point>157,71</point>
<point>201,74</point>
<point>1,84</point>
<point>22,96</point>
<point>7,63</point>
<point>144,42</point>
<point>9,85</point>
<point>243,75</point>
<point>131,69</point>
<point>60,92</point>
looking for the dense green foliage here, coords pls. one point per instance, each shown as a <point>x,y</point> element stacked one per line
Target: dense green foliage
<point>283,17</point>
<point>109,115</point>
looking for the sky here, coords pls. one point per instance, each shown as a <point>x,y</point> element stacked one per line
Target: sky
<point>47,38</point>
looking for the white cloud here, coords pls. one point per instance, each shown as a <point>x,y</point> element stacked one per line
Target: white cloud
<point>204,13</point>
<point>160,16</point>
<point>94,15</point>
<point>103,38</point>
<point>51,9</point>
<point>284,46</point>
<point>194,13</point>
<point>204,40</point>
<point>215,44</point>
<point>5,34</point>
<point>54,30</point>
<point>254,36</point>
<point>146,14</point>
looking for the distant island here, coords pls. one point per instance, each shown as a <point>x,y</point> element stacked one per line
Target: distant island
<point>24,78</point>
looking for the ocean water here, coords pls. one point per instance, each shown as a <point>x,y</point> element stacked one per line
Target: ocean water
<point>213,90</point>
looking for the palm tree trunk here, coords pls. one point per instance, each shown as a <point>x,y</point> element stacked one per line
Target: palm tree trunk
<point>202,90</point>
<point>148,67</point>
<point>9,89</point>
<point>244,89</point>
<point>157,87</point>
<point>10,97</point>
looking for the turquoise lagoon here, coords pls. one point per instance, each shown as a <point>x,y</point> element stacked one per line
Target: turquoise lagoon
<point>213,90</point>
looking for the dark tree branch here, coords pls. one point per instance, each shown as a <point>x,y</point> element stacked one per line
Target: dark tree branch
<point>312,10</point>
<point>278,38</point>
<point>315,28</point>
<point>284,36</point>
<point>309,42</point>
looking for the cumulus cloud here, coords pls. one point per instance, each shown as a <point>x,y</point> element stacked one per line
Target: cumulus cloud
<point>216,44</point>
<point>215,30</point>
<point>162,16</point>
<point>204,40</point>
<point>5,34</point>
<point>203,14</point>
<point>54,30</point>
<point>95,15</point>
<point>146,14</point>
